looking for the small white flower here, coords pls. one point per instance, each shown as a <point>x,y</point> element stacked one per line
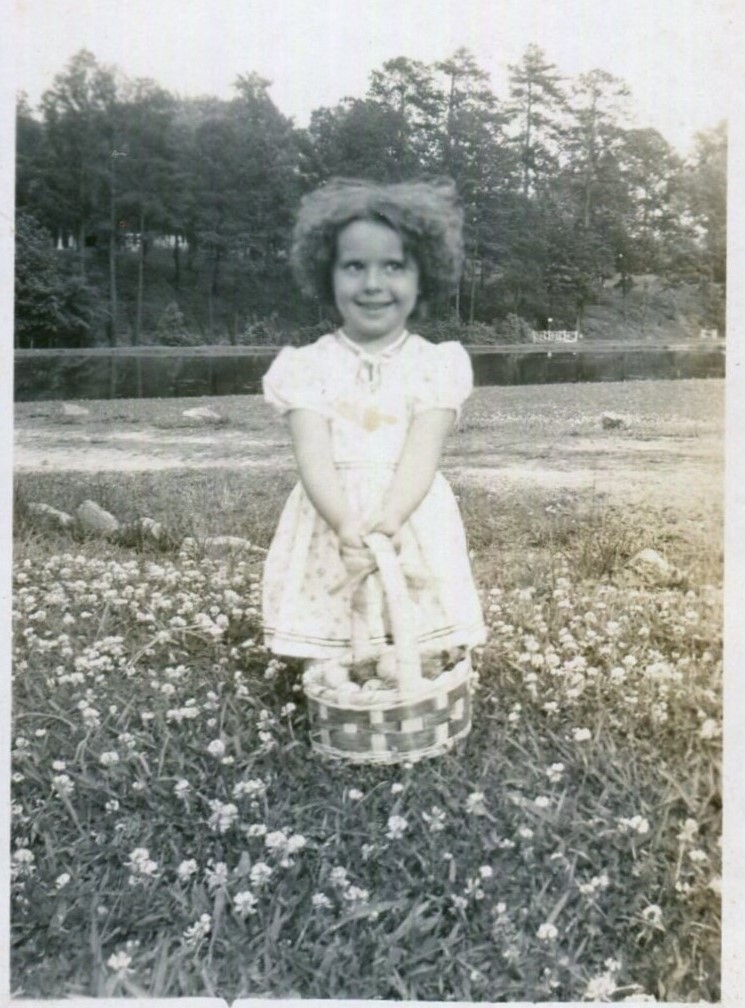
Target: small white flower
<point>321,901</point>
<point>555,772</point>
<point>354,794</point>
<point>525,832</point>
<point>120,962</point>
<point>581,734</point>
<point>197,932</point>
<point>62,880</point>
<point>500,909</point>
<point>261,873</point>
<point>62,784</point>
<point>688,831</point>
<point>59,764</point>
<point>296,843</point>
<point>186,869</point>
<point>112,805</point>
<point>698,856</point>
<point>339,876</point>
<point>600,988</point>
<point>216,748</point>
<point>542,801</point>
<point>435,819</point>
<point>396,788</point>
<point>356,895</point>
<point>217,876</point>
<point>475,803</point>
<point>244,903</point>
<point>397,826</point>
<point>277,840</point>
<point>547,932</point>
<point>181,788</point>
<point>223,816</point>
<point>254,788</point>
<point>255,830</point>
<point>653,915</point>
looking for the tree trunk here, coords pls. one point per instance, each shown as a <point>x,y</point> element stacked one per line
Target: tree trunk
<point>112,255</point>
<point>176,260</point>
<point>140,281</point>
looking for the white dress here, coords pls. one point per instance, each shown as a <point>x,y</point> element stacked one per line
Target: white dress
<point>369,401</point>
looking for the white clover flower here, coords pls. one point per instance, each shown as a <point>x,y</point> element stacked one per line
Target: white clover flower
<point>296,843</point>
<point>542,801</point>
<point>581,734</point>
<point>500,909</point>
<point>108,759</point>
<point>22,862</point>
<point>59,764</point>
<point>244,903</point>
<point>181,788</point>
<point>255,830</point>
<point>397,826</point>
<point>198,931</point>
<point>600,988</point>
<point>396,788</point>
<point>141,866</point>
<point>486,871</point>
<point>186,869</point>
<point>120,962</point>
<point>688,831</point>
<point>435,819</point>
<point>287,709</point>
<point>636,824</point>
<point>475,803</point>
<point>112,805</point>
<point>216,748</point>
<point>459,902</point>
<point>339,876</point>
<point>63,784</point>
<point>652,914</point>
<point>709,729</point>
<point>356,895</point>
<point>254,788</point>
<point>321,901</point>
<point>261,873</point>
<point>223,816</point>
<point>216,876</point>
<point>354,794</point>
<point>555,772</point>
<point>276,840</point>
<point>547,932</point>
<point>698,856</point>
<point>525,832</point>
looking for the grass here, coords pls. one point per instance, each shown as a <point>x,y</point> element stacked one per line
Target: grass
<point>172,835</point>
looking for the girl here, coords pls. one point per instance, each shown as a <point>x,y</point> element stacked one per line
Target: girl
<point>369,407</point>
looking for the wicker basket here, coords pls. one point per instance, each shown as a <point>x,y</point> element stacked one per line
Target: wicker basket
<point>419,718</point>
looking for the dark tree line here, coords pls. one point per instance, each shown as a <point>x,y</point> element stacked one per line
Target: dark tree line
<point>144,216</point>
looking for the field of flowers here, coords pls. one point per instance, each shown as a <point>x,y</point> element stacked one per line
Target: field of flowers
<point>173,835</point>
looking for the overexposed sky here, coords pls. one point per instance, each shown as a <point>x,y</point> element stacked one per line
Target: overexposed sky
<point>676,55</point>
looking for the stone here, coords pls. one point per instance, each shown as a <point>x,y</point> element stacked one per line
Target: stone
<point>614,421</point>
<point>201,413</point>
<point>653,568</point>
<point>93,518</point>
<point>49,515</point>
<point>72,410</point>
<point>216,544</point>
<point>141,528</point>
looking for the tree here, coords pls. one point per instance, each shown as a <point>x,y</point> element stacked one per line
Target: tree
<point>51,307</point>
<point>536,103</point>
<point>706,186</point>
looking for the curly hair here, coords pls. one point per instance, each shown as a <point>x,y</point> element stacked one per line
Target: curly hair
<point>426,215</point>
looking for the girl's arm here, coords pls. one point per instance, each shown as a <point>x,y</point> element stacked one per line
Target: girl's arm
<point>415,471</point>
<point>311,440</point>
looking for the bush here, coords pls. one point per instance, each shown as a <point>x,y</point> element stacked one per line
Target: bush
<point>171,328</point>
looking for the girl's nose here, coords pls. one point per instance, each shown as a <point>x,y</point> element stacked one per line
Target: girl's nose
<point>372,278</point>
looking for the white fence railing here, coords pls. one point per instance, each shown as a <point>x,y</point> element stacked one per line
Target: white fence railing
<point>555,336</point>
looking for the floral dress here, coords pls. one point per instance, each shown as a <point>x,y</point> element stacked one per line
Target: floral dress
<point>369,401</point>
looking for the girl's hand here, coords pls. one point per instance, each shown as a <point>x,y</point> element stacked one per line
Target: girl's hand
<point>350,536</point>
<point>387,525</point>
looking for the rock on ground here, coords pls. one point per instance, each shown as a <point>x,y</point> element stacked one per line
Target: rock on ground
<point>72,410</point>
<point>651,567</point>
<point>612,421</point>
<point>201,413</point>
<point>49,515</point>
<point>93,518</point>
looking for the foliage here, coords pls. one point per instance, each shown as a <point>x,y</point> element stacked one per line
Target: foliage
<point>560,191</point>
<point>53,308</point>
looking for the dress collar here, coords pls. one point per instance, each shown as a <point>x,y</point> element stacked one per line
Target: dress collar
<point>378,356</point>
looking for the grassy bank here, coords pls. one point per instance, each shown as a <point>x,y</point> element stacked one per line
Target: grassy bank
<point>174,836</point>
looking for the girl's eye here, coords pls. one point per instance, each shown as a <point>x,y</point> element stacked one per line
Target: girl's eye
<point>394,266</point>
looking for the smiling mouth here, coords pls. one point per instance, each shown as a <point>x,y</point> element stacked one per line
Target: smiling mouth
<point>373,306</point>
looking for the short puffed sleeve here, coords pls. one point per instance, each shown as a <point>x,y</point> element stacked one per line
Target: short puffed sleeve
<point>294,381</point>
<point>445,378</point>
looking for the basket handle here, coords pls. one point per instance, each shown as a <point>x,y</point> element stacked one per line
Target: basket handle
<point>400,612</point>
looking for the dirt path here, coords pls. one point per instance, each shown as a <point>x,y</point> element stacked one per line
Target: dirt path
<point>684,472</point>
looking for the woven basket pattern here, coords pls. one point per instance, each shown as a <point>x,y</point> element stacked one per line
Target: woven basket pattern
<point>397,731</point>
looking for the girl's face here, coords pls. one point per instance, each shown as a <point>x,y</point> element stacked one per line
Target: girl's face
<point>375,283</point>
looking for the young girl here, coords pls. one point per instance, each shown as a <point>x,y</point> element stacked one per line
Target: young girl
<point>369,407</point>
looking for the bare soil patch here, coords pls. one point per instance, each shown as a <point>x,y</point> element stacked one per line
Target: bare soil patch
<point>550,437</point>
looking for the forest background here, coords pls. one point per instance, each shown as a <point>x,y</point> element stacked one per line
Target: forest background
<point>143,217</point>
